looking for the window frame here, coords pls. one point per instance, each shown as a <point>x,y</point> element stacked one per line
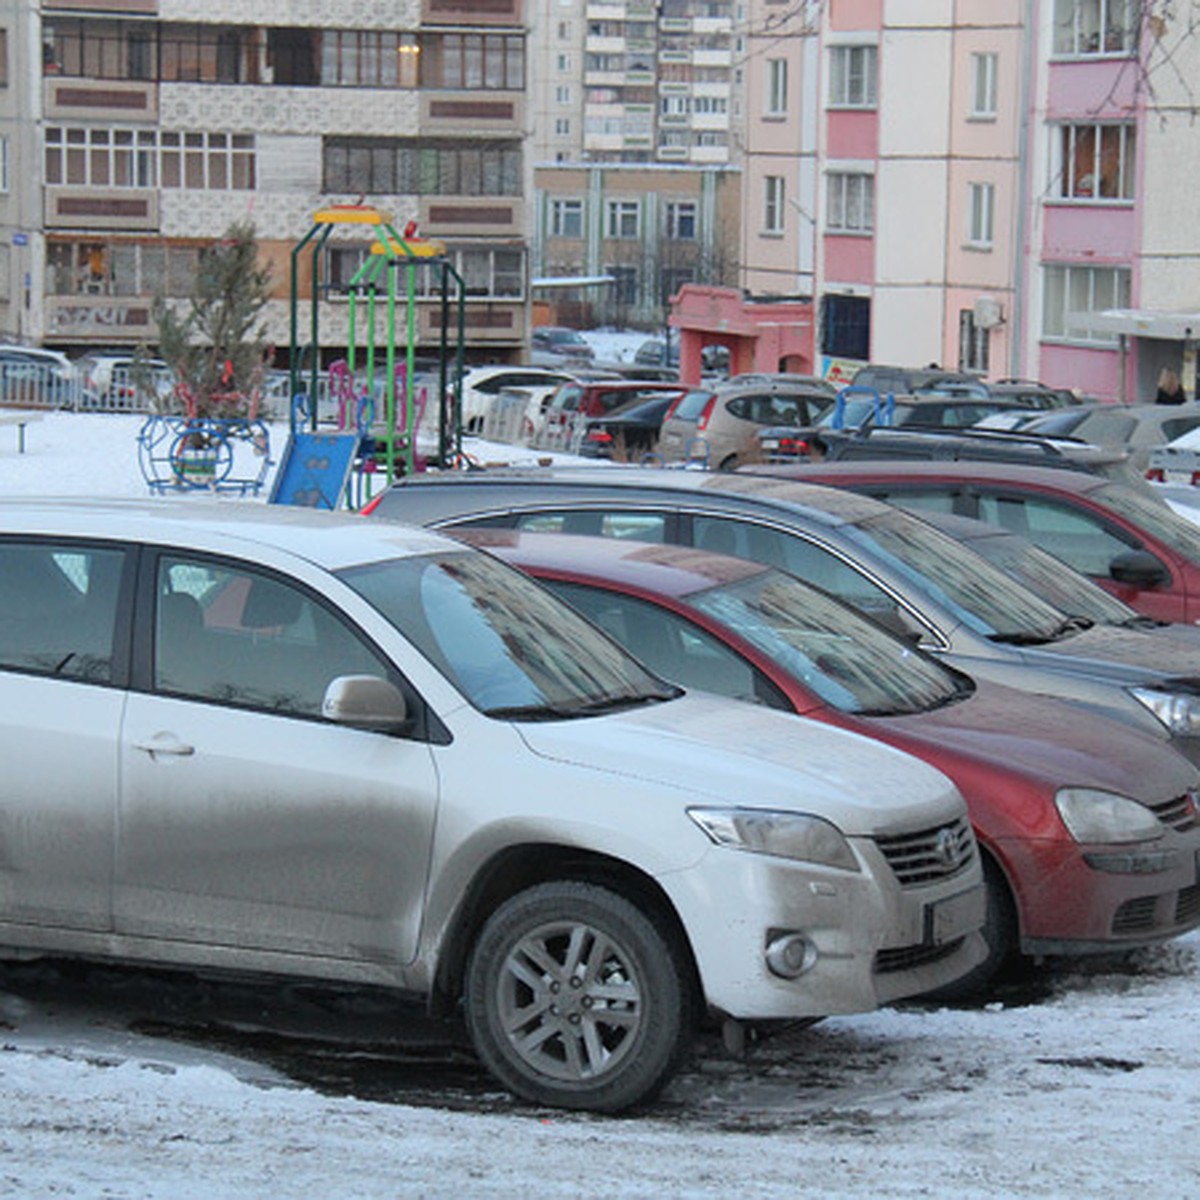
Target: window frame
<point>840,200</point>
<point>853,84</point>
<point>984,85</point>
<point>1076,278</point>
<point>775,97</point>
<point>981,215</point>
<point>774,200</point>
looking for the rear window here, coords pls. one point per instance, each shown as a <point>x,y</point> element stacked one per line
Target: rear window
<point>691,406</point>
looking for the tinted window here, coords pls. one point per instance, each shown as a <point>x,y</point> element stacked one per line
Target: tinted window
<point>1077,537</point>
<point>672,646</point>
<point>618,523</point>
<point>691,406</point>
<point>58,609</point>
<point>237,636</point>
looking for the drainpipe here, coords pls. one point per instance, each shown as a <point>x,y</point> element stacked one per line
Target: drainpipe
<point>1016,333</point>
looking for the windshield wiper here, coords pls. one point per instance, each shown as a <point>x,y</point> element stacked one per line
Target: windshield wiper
<point>589,708</point>
<point>1024,638</point>
<point>1074,625</point>
<point>611,703</point>
<point>531,712</point>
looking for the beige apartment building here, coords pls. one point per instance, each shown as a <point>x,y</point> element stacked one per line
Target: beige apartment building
<point>134,132</point>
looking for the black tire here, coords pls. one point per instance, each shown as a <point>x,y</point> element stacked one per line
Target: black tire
<point>730,463</point>
<point>576,999</point>
<point>999,931</point>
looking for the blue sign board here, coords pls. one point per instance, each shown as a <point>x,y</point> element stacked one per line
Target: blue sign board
<point>20,239</point>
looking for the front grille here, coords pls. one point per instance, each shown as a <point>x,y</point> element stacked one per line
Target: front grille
<point>905,958</point>
<point>1135,916</point>
<point>929,855</point>
<point>1179,812</point>
<point>1187,906</point>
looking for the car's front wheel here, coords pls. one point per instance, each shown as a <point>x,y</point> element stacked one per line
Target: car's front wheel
<point>576,998</point>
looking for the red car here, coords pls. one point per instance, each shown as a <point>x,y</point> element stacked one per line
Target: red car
<point>1121,535</point>
<point>1090,829</point>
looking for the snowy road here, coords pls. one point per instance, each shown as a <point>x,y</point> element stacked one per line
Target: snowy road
<point>132,1085</point>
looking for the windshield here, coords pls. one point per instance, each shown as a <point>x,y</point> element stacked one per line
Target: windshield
<point>1152,515</point>
<point>1053,580</point>
<point>510,647</point>
<point>845,659</point>
<point>980,595</point>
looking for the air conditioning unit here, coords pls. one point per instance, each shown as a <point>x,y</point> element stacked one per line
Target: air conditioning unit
<point>988,312</point>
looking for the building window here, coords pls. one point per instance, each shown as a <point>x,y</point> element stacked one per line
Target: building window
<point>562,126</point>
<point>851,202</point>
<point>777,86</point>
<point>146,158</point>
<point>566,218</point>
<point>564,62</point>
<point>624,289</point>
<point>846,326</point>
<point>774,195</point>
<point>983,86</point>
<point>681,220</point>
<point>421,167</point>
<point>1093,162</point>
<point>562,94</point>
<point>3,57</point>
<point>973,342</point>
<point>368,58</point>
<point>852,76</point>
<point>1095,26</point>
<point>1070,293</point>
<point>484,270</point>
<point>121,268</point>
<point>488,61</point>
<point>623,219</point>
<point>4,164</point>
<point>981,209</point>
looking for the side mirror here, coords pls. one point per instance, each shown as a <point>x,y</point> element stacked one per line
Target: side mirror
<point>1138,568</point>
<point>365,702</point>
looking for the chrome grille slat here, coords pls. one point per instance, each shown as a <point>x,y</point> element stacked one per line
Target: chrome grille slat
<point>929,855</point>
<point>1179,812</point>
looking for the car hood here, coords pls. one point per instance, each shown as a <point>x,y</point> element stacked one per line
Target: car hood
<point>1048,742</point>
<point>730,752</point>
<point>1110,647</point>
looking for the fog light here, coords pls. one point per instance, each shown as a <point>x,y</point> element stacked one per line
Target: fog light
<point>789,955</point>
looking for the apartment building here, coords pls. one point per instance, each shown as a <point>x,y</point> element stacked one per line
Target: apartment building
<point>633,81</point>
<point>645,229</point>
<point>136,131</point>
<point>996,185</point>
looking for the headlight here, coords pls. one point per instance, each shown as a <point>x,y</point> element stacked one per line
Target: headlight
<point>1092,816</point>
<point>1178,711</point>
<point>784,834</point>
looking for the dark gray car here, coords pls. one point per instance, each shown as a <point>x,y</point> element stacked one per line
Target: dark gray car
<point>888,563</point>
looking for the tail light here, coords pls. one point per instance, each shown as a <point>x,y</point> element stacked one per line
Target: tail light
<point>706,415</point>
<point>371,505</point>
<point>1158,475</point>
<point>796,446</point>
<point>599,435</point>
<point>671,409</point>
<point>1195,479</point>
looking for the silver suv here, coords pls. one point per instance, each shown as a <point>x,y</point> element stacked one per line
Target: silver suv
<point>272,740</point>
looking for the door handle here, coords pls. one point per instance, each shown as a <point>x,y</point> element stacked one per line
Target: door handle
<point>165,743</point>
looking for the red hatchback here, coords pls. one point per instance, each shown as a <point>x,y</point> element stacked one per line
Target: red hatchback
<point>1121,535</point>
<point>1090,829</point>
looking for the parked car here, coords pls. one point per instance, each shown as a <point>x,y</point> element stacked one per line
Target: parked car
<point>31,376</point>
<point>1120,535</point>
<point>1034,394</point>
<point>1036,773</point>
<point>123,381</point>
<point>861,409</point>
<point>908,381</point>
<point>719,426</point>
<point>566,343</point>
<point>1137,428</point>
<point>654,353</point>
<point>259,739</point>
<point>915,443</point>
<point>886,562</point>
<point>629,432</point>
<point>480,385</point>
<point>573,404</point>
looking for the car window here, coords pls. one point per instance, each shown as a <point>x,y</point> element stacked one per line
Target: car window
<point>672,646</point>
<point>915,501</point>
<point>238,636</point>
<point>1107,428</point>
<point>58,609</point>
<point>631,525</point>
<point>691,406</point>
<point>1178,427</point>
<point>1078,538</point>
<point>801,557</point>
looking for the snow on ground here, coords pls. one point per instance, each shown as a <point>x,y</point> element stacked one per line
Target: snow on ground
<point>1091,1089</point>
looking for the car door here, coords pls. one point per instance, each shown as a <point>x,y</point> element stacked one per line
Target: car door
<point>63,666</point>
<point>247,822</point>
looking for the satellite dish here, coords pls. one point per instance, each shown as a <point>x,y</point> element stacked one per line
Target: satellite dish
<point>988,313</point>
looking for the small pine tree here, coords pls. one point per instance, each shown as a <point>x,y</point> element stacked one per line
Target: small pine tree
<point>218,348</point>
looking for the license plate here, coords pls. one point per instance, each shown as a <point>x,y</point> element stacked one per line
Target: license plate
<point>952,918</point>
